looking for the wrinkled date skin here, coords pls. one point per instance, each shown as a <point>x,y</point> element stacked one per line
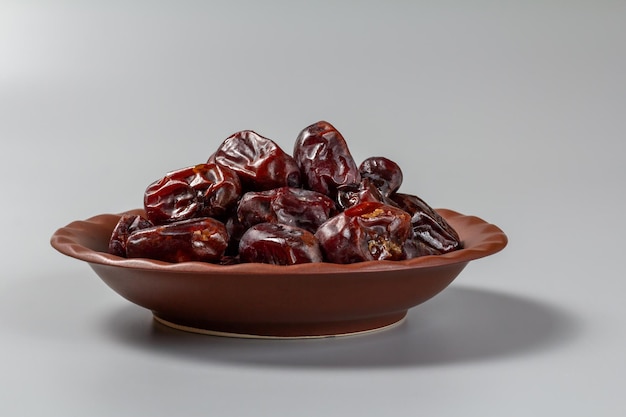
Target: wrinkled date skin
<point>279,244</point>
<point>204,190</point>
<point>255,207</point>
<point>260,163</point>
<point>302,208</point>
<point>286,205</point>
<point>429,228</point>
<point>383,172</point>
<point>380,178</point>
<point>126,225</point>
<point>368,231</point>
<point>352,194</point>
<point>414,248</point>
<point>324,159</point>
<point>203,239</point>
<point>252,202</point>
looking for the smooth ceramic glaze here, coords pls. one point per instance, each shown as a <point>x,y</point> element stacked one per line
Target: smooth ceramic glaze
<point>262,300</point>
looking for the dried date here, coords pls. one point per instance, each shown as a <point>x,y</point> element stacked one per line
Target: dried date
<point>383,172</point>
<point>203,190</point>
<point>279,244</point>
<point>324,159</point>
<point>365,232</point>
<point>260,163</point>
<point>352,194</point>
<point>252,202</point>
<point>127,224</point>
<point>286,205</point>
<point>255,207</point>
<point>202,239</point>
<point>302,208</point>
<point>168,200</point>
<point>428,226</point>
<point>414,248</point>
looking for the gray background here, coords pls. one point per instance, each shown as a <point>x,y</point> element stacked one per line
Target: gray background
<point>512,111</point>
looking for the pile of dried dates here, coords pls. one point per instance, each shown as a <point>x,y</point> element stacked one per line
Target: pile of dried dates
<point>253,202</point>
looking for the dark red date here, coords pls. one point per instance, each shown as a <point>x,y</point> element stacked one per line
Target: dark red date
<point>429,228</point>
<point>260,163</point>
<point>255,207</point>
<point>252,202</point>
<point>302,208</point>
<point>414,248</point>
<point>383,172</point>
<point>286,205</point>
<point>168,200</point>
<point>204,190</point>
<point>203,239</point>
<point>127,224</point>
<point>324,159</point>
<point>365,232</point>
<point>279,244</point>
<point>352,194</point>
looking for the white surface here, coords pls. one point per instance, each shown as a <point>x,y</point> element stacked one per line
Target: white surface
<point>511,111</point>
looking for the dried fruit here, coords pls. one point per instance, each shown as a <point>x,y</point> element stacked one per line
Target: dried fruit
<point>252,202</point>
<point>383,172</point>
<point>365,232</point>
<point>204,190</point>
<point>127,224</point>
<point>428,226</point>
<point>352,194</point>
<point>203,239</point>
<point>260,163</point>
<point>280,244</point>
<point>323,156</point>
<point>291,206</point>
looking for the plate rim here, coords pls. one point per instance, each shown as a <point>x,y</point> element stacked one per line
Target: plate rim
<point>67,240</point>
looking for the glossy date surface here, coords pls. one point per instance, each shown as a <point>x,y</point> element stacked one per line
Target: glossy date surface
<point>286,205</point>
<point>203,239</point>
<point>203,190</point>
<point>368,231</point>
<point>352,194</point>
<point>279,244</point>
<point>127,224</point>
<point>252,202</point>
<point>385,174</point>
<point>434,234</point>
<point>260,163</point>
<point>323,156</point>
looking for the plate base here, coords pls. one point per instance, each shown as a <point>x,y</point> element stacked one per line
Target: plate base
<point>290,330</point>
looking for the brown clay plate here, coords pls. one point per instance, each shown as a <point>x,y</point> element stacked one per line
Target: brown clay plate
<point>276,301</point>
